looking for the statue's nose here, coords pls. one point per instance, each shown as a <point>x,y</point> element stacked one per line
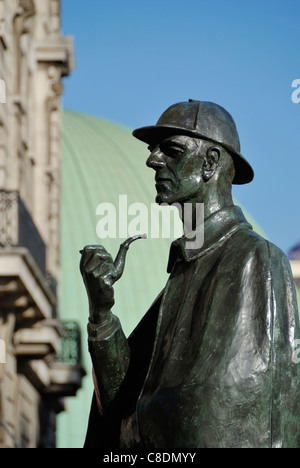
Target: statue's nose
<point>156,159</point>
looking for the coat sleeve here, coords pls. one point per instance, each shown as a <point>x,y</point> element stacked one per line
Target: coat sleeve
<point>284,335</point>
<point>104,428</point>
<point>271,304</point>
<point>110,354</point>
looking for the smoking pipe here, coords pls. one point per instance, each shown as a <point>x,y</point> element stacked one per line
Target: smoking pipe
<point>119,262</point>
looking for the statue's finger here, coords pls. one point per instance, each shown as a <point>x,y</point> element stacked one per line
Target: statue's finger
<point>96,259</point>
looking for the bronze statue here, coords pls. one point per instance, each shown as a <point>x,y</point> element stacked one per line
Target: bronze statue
<point>211,363</point>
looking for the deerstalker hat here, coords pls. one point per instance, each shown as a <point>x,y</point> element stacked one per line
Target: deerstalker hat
<point>200,119</point>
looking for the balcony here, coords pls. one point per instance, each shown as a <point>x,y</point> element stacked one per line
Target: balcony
<point>17,228</point>
<point>49,354</point>
<point>25,285</point>
<point>40,340</point>
<point>66,372</point>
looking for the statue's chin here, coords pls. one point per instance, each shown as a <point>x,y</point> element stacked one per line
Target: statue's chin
<point>160,200</point>
<point>169,200</point>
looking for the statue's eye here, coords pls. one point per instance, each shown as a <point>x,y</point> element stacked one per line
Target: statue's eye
<point>172,151</point>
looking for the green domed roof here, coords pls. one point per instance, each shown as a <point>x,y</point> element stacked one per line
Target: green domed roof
<point>101,161</point>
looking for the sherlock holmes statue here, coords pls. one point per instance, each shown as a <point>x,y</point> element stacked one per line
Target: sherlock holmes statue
<point>212,364</point>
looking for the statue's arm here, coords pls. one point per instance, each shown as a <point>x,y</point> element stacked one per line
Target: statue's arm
<point>110,356</point>
<point>268,331</point>
<point>108,345</point>
<point>286,333</point>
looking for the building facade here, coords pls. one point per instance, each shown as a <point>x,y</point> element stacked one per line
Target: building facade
<point>40,363</point>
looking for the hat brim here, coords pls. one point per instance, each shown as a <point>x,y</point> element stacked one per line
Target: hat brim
<point>154,134</point>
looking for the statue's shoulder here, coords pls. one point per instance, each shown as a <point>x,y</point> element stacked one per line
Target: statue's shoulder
<point>251,244</point>
<point>265,244</point>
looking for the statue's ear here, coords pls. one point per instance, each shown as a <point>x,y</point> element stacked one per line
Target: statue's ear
<point>211,162</point>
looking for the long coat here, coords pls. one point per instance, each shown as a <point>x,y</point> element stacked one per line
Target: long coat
<point>213,362</point>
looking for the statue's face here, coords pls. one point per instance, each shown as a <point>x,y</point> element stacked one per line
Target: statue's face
<point>178,166</point>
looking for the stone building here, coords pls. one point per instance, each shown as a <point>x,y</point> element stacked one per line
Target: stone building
<point>40,363</point>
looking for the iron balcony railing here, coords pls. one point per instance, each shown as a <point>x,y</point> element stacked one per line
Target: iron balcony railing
<point>70,349</point>
<point>18,229</point>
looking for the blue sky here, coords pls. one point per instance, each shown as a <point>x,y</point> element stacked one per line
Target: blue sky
<point>136,58</point>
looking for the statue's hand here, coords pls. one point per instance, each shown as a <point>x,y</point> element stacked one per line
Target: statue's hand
<point>98,272</point>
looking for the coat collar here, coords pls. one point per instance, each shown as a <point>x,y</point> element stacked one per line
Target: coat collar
<point>217,228</point>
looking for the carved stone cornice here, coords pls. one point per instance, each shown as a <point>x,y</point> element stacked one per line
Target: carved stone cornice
<point>57,50</point>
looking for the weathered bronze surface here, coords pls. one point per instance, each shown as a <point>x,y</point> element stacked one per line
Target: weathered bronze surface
<point>212,363</point>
